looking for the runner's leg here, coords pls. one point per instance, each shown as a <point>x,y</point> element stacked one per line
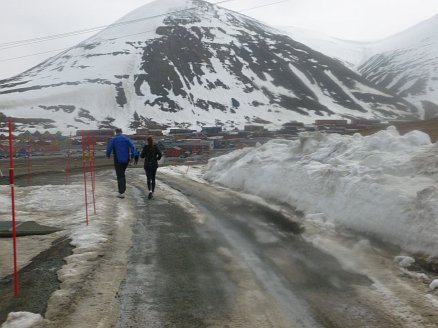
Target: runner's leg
<point>121,179</point>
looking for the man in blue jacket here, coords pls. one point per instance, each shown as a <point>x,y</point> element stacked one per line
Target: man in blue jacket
<point>120,145</point>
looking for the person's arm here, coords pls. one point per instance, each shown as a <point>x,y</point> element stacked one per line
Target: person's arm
<point>134,153</point>
<point>158,151</point>
<point>109,148</point>
<point>143,152</point>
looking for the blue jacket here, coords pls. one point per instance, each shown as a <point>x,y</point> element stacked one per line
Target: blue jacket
<point>121,145</point>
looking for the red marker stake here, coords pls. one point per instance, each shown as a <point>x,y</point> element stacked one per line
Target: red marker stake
<point>94,161</point>
<point>14,229</point>
<point>67,165</point>
<point>190,161</point>
<point>28,161</point>
<point>90,159</point>
<point>92,170</point>
<point>84,166</point>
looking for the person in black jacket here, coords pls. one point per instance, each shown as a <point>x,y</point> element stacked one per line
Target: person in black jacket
<point>151,154</point>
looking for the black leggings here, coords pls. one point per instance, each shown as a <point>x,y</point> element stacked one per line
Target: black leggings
<point>120,172</point>
<point>151,171</point>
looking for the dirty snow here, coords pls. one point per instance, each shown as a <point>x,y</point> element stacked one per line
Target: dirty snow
<point>404,261</point>
<point>434,284</point>
<point>63,206</point>
<point>21,320</point>
<point>383,185</point>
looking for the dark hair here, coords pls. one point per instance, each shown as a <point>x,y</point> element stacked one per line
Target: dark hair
<point>118,130</point>
<point>150,141</point>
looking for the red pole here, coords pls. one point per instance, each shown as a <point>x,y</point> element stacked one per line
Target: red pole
<point>94,161</point>
<point>188,166</point>
<point>84,166</point>
<point>28,160</point>
<point>91,171</point>
<point>14,229</point>
<point>67,165</point>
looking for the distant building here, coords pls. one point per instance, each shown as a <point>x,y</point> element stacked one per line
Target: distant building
<point>142,131</point>
<point>103,132</point>
<point>195,145</point>
<point>263,134</point>
<point>139,137</point>
<point>254,128</point>
<point>319,123</point>
<point>149,132</point>
<point>291,128</point>
<point>181,131</point>
<point>191,141</point>
<point>295,124</point>
<point>97,135</point>
<point>364,124</point>
<point>310,128</point>
<point>174,151</point>
<point>155,132</point>
<point>212,130</point>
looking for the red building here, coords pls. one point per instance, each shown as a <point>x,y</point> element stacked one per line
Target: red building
<point>173,152</point>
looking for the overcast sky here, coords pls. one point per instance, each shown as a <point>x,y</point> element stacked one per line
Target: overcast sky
<point>347,19</point>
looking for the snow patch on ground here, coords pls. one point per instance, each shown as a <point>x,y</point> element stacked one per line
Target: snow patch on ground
<point>63,206</point>
<point>21,320</point>
<point>194,172</point>
<point>404,261</point>
<point>433,285</point>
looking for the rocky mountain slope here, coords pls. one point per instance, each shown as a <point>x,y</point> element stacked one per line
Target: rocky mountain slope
<point>407,64</point>
<point>350,53</point>
<point>188,63</point>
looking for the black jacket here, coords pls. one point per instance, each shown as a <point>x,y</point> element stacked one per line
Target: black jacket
<point>151,155</point>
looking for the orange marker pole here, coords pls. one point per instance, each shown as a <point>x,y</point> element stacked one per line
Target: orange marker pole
<point>84,166</point>
<point>90,160</point>
<point>190,162</point>
<point>67,165</point>
<point>93,155</point>
<point>94,161</point>
<point>14,228</point>
<point>28,161</point>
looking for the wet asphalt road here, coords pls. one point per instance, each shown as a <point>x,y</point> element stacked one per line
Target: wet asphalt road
<point>236,264</point>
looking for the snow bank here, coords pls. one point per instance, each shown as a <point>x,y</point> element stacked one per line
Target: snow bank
<point>433,285</point>
<point>62,206</point>
<point>384,184</point>
<point>404,261</point>
<point>21,320</point>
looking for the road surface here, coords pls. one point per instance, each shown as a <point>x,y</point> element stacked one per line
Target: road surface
<point>214,259</point>
<point>199,255</point>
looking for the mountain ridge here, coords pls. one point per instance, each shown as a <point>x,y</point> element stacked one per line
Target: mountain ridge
<point>404,63</point>
<point>197,67</point>
<point>407,65</point>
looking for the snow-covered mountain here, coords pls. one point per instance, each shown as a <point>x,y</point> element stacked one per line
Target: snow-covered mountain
<point>188,63</point>
<point>407,64</point>
<point>350,53</point>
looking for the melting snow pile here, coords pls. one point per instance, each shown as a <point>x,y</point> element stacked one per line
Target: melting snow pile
<point>21,320</point>
<point>433,285</point>
<point>63,206</point>
<point>385,184</point>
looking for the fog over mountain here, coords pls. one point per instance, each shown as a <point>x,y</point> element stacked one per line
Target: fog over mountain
<point>406,63</point>
<point>198,65</point>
